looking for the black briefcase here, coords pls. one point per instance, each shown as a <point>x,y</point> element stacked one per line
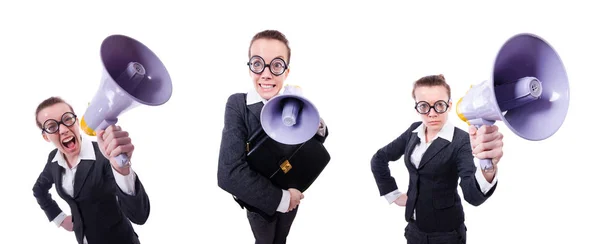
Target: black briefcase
<point>287,166</point>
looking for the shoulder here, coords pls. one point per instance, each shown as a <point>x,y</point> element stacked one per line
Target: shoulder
<point>461,136</point>
<point>414,125</point>
<point>236,98</point>
<point>410,129</point>
<point>236,101</point>
<point>99,156</point>
<point>52,154</point>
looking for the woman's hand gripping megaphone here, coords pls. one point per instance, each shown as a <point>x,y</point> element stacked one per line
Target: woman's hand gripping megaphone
<point>114,143</point>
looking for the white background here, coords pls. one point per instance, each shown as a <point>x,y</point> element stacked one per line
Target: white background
<point>355,61</point>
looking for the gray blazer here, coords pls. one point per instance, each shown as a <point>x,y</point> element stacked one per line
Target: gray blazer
<point>234,174</point>
<point>433,186</point>
<point>96,212</point>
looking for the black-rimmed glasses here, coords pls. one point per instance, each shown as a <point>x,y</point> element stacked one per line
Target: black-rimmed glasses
<point>51,126</point>
<point>423,107</point>
<point>257,65</point>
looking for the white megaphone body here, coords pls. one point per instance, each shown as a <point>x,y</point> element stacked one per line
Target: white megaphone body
<point>132,75</point>
<point>528,90</point>
<point>289,118</point>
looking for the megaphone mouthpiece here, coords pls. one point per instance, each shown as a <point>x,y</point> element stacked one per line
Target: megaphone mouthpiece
<point>291,108</point>
<point>512,95</point>
<point>131,77</point>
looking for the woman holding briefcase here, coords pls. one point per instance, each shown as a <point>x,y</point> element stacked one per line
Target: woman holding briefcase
<point>270,209</point>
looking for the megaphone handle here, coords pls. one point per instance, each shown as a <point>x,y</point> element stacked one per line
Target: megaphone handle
<point>122,158</point>
<point>485,164</point>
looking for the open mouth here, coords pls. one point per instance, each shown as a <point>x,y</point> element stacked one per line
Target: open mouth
<point>69,142</point>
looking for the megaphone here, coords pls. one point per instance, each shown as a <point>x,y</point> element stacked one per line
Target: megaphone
<point>132,75</point>
<point>289,118</point>
<point>528,90</point>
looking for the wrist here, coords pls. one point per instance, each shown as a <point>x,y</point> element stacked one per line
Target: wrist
<point>122,170</point>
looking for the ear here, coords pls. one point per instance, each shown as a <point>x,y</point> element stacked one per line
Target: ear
<point>45,137</point>
<point>285,74</point>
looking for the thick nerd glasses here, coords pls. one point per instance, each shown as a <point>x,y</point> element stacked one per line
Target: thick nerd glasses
<point>257,65</point>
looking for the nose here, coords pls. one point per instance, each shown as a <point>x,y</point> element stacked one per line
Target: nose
<point>432,113</point>
<point>63,129</point>
<point>266,74</point>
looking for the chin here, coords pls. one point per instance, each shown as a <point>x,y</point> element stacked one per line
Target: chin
<point>267,95</point>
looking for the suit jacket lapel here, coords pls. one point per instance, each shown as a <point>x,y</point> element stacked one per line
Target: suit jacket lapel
<point>435,147</point>
<point>57,171</point>
<point>412,143</point>
<point>83,170</point>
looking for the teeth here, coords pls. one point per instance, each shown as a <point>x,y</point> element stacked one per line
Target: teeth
<point>67,139</point>
<point>266,86</point>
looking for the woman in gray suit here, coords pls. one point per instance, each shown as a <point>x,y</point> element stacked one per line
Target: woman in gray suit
<point>103,197</point>
<point>437,154</point>
<point>270,209</point>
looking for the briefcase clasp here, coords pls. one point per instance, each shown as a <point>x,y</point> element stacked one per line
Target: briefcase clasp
<point>285,166</point>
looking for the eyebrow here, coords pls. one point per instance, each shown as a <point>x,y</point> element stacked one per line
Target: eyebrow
<point>433,102</point>
<point>281,57</point>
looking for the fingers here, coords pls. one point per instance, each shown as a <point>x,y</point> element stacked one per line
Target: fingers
<point>487,146</point>
<point>293,205</point>
<point>124,148</point>
<point>115,141</point>
<point>295,197</point>
<point>495,154</point>
<point>485,138</point>
<point>112,128</point>
<point>486,135</point>
<point>108,136</point>
<point>100,135</point>
<point>487,129</point>
<point>113,144</point>
<point>487,143</point>
<point>401,201</point>
<point>472,130</point>
<point>473,135</point>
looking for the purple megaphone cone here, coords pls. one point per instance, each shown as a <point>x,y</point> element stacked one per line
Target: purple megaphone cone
<point>132,75</point>
<point>290,118</point>
<point>528,90</point>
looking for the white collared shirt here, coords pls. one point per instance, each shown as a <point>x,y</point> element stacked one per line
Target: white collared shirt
<point>447,133</point>
<point>253,97</point>
<point>125,182</point>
